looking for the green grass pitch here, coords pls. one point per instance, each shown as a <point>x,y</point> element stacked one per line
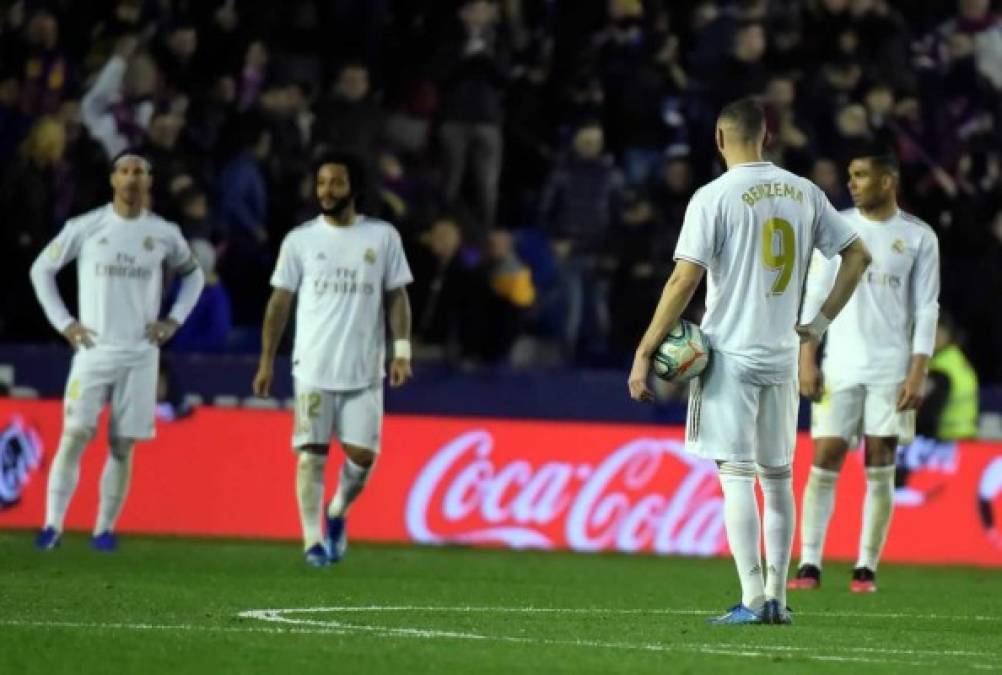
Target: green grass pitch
<point>164,605</point>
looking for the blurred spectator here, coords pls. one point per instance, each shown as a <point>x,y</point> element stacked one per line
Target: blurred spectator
<point>949,410</point>
<point>195,217</point>
<point>473,74</point>
<point>242,203</point>
<point>252,76</point>
<point>407,199</point>
<point>118,107</point>
<point>498,313</point>
<point>580,204</point>
<point>439,294</point>
<point>208,326</point>
<point>47,74</point>
<point>348,120</point>
<point>831,178</point>
<point>13,124</point>
<point>36,192</point>
<point>175,56</point>
<point>169,162</point>
<point>789,144</point>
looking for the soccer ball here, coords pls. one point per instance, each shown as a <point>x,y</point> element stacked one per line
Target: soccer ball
<point>683,355</point>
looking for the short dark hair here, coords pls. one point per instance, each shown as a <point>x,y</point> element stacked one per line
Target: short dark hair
<point>746,115</point>
<point>880,156</point>
<point>352,164</point>
<point>131,152</point>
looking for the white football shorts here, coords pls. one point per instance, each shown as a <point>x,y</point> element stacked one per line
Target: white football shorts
<point>125,379</point>
<point>731,419</point>
<point>849,411</point>
<point>353,417</point>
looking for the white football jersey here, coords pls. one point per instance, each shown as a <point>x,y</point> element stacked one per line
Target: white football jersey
<point>119,270</point>
<point>754,229</point>
<point>341,274</point>
<point>894,310</point>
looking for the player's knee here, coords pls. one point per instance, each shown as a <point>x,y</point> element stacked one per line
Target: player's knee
<point>737,469</point>
<point>79,435</point>
<point>360,456</point>
<point>880,451</point>
<point>311,460</point>
<point>782,472</point>
<point>121,448</point>
<point>830,455</point>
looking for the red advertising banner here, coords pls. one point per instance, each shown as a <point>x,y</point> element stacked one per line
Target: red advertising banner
<point>490,482</point>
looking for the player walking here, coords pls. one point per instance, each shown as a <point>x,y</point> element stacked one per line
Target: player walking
<point>350,272</point>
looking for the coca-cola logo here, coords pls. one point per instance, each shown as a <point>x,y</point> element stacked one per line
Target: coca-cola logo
<point>646,495</point>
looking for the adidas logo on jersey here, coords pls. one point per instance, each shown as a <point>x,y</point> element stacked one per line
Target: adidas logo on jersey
<point>370,256</point>
<point>103,241</point>
<point>321,256</point>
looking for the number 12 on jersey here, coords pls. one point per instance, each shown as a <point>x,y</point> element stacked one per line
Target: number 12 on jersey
<point>779,252</point>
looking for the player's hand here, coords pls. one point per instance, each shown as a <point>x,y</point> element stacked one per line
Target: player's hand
<point>159,332</point>
<point>910,394</point>
<point>639,391</point>
<point>807,334</point>
<point>79,335</point>
<point>400,372</point>
<point>812,382</point>
<point>262,380</point>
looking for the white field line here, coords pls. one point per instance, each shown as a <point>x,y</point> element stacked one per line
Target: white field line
<point>329,628</point>
<point>281,616</point>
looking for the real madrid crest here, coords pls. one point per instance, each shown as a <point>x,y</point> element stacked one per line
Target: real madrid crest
<point>370,256</point>
<point>898,246</point>
<point>148,243</point>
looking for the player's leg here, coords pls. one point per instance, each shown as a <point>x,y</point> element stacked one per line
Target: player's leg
<point>882,424</point>
<point>721,426</point>
<point>312,427</point>
<point>777,438</point>
<point>133,412</point>
<point>358,426</point>
<point>87,389</point>
<point>835,421</point>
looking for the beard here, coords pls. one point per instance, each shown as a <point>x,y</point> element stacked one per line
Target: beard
<point>339,206</point>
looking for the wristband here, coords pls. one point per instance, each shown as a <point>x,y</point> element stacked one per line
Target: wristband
<point>402,349</point>
<point>819,325</point>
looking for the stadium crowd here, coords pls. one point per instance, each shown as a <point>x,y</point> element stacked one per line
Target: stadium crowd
<point>537,156</point>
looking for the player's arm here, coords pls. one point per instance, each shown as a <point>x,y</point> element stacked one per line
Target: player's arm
<point>820,279</point>
<point>398,310</point>
<point>855,260</point>
<point>192,283</point>
<point>62,250</point>
<point>925,310</point>
<point>276,317</point>
<point>675,297</point>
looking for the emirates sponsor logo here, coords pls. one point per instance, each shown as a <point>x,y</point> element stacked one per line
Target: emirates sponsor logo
<point>647,495</point>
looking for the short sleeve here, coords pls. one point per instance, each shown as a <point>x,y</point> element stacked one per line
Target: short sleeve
<point>701,238</point>
<point>179,256</point>
<point>288,272</point>
<point>65,247</point>
<point>397,272</point>
<point>833,232</point>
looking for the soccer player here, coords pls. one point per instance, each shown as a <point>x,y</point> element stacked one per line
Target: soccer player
<point>753,229</point>
<point>350,272</point>
<point>875,363</point>
<point>121,249</point>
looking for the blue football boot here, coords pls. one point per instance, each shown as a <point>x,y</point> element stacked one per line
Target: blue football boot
<point>337,537</point>
<point>738,615</point>
<point>775,613</point>
<point>106,542</point>
<point>316,556</point>
<point>48,539</point>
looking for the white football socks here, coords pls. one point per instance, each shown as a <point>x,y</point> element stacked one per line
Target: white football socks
<point>741,518</point>
<point>114,485</point>
<point>877,509</point>
<point>777,524</point>
<point>349,486</point>
<point>819,504</point>
<point>63,477</point>
<point>310,493</point>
